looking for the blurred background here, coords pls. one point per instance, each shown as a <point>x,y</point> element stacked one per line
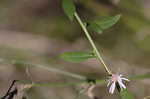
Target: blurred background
<point>37,31</point>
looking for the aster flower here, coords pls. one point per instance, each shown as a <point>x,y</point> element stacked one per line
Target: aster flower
<point>114,80</point>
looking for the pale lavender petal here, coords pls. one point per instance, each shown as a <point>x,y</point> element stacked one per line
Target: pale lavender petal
<point>125,79</point>
<point>121,84</point>
<point>120,75</point>
<point>112,88</point>
<point>109,81</point>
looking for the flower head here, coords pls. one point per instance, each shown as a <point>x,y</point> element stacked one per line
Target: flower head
<point>116,79</point>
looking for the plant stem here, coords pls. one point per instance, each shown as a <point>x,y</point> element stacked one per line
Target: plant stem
<point>57,84</point>
<point>92,43</point>
<point>44,67</point>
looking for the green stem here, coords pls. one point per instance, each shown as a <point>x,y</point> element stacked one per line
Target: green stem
<point>92,43</point>
<point>46,67</point>
<point>57,84</point>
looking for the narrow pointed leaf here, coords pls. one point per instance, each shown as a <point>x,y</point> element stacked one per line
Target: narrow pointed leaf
<point>77,56</point>
<point>69,8</point>
<point>125,94</point>
<point>99,25</point>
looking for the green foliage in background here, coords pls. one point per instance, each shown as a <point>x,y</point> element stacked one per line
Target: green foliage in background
<point>125,94</point>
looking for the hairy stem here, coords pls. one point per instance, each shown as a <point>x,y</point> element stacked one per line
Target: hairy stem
<point>92,43</point>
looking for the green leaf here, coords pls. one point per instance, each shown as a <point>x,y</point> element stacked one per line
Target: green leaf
<point>125,94</point>
<point>95,27</point>
<point>77,56</point>
<point>99,25</point>
<point>69,8</point>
